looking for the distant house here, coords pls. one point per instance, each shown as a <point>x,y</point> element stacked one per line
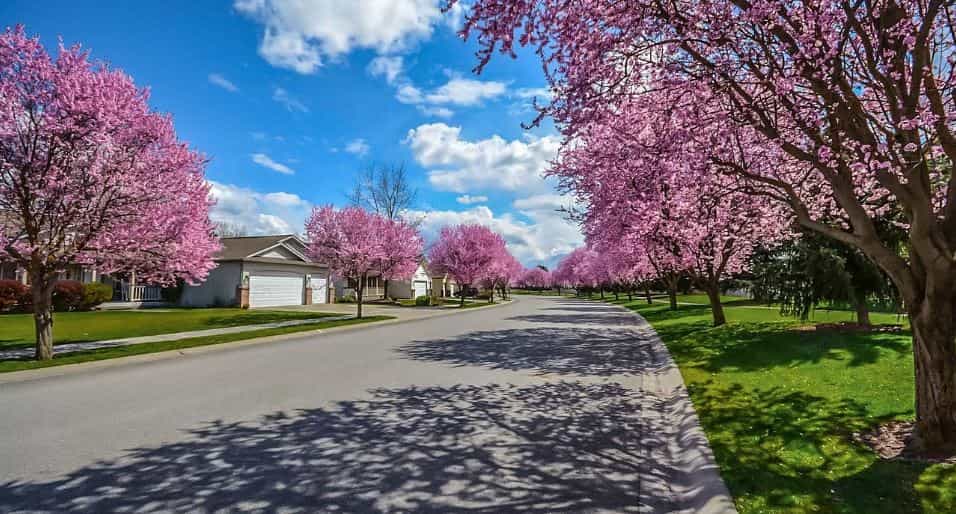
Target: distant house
<point>422,283</point>
<point>127,291</point>
<point>274,270</point>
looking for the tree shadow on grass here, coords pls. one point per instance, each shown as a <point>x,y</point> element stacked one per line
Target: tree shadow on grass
<point>564,349</point>
<point>754,346</point>
<point>793,452</point>
<point>557,447</point>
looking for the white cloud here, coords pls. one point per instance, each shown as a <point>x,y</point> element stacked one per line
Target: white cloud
<point>541,93</point>
<point>469,199</point>
<point>358,147</point>
<point>465,92</point>
<point>390,67</point>
<point>438,112</point>
<point>299,35</point>
<point>291,103</point>
<point>265,161</point>
<point>218,80</point>
<point>457,165</point>
<point>542,241</point>
<point>259,213</point>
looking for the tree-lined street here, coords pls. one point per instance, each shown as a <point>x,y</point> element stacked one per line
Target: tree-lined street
<point>542,405</point>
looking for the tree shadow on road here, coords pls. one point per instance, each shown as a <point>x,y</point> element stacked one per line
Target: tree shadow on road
<point>564,349</point>
<point>556,447</point>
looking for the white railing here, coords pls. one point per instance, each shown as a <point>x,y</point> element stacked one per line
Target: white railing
<point>142,294</point>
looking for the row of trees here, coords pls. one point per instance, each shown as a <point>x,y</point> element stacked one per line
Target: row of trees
<point>696,131</point>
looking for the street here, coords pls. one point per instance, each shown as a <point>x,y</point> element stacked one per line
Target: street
<point>547,404</point>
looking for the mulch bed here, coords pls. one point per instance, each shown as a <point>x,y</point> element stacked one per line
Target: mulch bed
<point>847,326</point>
<point>894,441</point>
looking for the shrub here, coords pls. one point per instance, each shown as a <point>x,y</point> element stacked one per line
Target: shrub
<point>94,294</point>
<point>484,295</point>
<point>348,298</point>
<point>12,295</point>
<point>67,295</point>
<point>423,301</point>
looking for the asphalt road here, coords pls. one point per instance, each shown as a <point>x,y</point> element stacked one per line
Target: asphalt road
<point>544,405</point>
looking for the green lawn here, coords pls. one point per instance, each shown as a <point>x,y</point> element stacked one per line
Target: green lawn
<point>16,330</point>
<point>779,406</point>
<point>138,349</point>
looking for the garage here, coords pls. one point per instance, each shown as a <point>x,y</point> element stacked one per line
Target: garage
<point>275,288</point>
<point>320,289</point>
<point>420,287</point>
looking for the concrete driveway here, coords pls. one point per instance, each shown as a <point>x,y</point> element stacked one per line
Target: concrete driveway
<point>543,405</point>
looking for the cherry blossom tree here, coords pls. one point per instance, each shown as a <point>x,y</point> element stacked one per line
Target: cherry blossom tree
<point>402,250</point>
<point>856,97</point>
<point>504,271</point>
<point>90,176</point>
<point>535,278</point>
<point>356,243</point>
<point>467,253</point>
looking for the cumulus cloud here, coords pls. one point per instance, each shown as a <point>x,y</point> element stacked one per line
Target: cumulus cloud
<point>267,162</point>
<point>390,67</point>
<point>469,199</point>
<point>291,103</point>
<point>542,241</point>
<point>300,35</point>
<point>259,213</point>
<point>218,80</point>
<point>358,147</point>
<point>541,93</point>
<point>465,92</point>
<point>459,165</point>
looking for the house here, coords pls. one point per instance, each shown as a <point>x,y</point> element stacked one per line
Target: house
<point>127,292</point>
<point>261,271</point>
<point>422,283</point>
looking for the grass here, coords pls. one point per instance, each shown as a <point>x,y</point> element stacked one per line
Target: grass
<point>139,349</point>
<point>16,330</point>
<point>779,406</point>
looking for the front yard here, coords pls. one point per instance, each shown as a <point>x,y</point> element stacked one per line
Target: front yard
<point>780,405</point>
<point>16,330</point>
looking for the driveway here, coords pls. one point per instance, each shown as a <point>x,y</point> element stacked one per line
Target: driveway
<point>543,405</point>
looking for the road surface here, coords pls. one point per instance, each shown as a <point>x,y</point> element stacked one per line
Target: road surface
<point>543,405</point>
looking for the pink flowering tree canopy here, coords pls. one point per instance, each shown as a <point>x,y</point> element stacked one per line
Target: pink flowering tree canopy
<point>535,278</point>
<point>467,253</point>
<point>89,175</point>
<point>851,102</point>
<point>356,243</point>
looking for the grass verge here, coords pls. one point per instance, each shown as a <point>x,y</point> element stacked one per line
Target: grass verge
<point>779,405</point>
<point>17,331</point>
<point>139,349</point>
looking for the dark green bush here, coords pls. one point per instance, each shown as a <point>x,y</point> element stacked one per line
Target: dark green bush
<point>423,301</point>
<point>94,294</point>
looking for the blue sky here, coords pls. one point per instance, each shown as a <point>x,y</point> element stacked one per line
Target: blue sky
<point>291,98</point>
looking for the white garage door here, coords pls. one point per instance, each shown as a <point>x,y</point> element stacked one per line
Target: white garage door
<point>320,290</point>
<point>421,288</point>
<point>273,289</point>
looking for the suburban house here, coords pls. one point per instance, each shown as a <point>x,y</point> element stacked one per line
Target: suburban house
<point>422,283</point>
<point>127,292</point>
<point>261,271</point>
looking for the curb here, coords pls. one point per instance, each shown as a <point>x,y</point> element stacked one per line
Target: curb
<point>29,375</point>
<point>695,485</point>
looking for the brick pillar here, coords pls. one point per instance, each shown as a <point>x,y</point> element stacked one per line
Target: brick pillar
<point>242,297</point>
<point>308,296</point>
<point>437,287</point>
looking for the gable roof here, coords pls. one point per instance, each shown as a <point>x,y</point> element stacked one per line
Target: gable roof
<point>251,247</point>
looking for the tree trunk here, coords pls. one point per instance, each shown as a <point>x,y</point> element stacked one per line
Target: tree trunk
<point>462,304</point>
<point>934,333</point>
<point>647,294</point>
<point>42,292</point>
<point>360,293</point>
<point>862,313</point>
<point>713,294</point>
<point>616,297</point>
<point>602,293</point>
<point>385,290</point>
